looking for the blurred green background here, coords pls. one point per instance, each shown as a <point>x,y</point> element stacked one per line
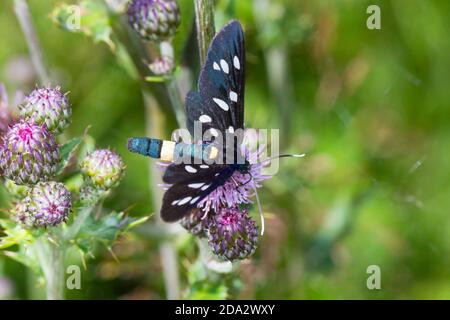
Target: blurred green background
<point>369,107</point>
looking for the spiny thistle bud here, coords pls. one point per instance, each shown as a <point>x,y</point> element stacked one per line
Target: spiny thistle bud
<point>103,168</point>
<point>28,154</point>
<point>195,223</point>
<point>232,234</point>
<point>47,204</point>
<point>161,66</point>
<point>154,20</point>
<point>47,106</point>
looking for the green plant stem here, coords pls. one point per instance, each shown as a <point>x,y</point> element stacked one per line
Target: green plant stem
<point>166,50</point>
<point>51,259</point>
<point>204,18</point>
<point>155,119</point>
<point>26,23</point>
<point>169,259</point>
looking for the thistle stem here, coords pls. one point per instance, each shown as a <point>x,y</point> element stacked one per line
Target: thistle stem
<point>26,23</point>
<point>167,249</point>
<point>204,18</point>
<point>51,259</point>
<point>166,50</point>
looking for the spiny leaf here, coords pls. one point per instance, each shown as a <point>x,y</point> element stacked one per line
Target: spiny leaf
<point>67,150</point>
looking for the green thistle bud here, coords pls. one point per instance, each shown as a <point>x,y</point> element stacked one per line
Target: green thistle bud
<point>47,204</point>
<point>103,169</point>
<point>47,106</point>
<point>195,223</point>
<point>232,234</point>
<point>154,20</point>
<point>28,154</point>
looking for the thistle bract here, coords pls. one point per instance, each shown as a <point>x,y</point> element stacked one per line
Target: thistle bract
<point>47,204</point>
<point>47,106</point>
<point>232,234</point>
<point>28,154</point>
<point>195,223</point>
<point>103,168</point>
<point>154,20</point>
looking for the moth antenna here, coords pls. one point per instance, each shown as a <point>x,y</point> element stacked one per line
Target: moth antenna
<point>282,156</point>
<point>261,215</point>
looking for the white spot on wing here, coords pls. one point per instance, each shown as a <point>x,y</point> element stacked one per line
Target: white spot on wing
<point>175,202</point>
<point>190,169</point>
<point>205,187</point>
<point>184,201</point>
<point>214,132</point>
<point>233,96</point>
<point>236,63</point>
<point>204,166</point>
<point>195,185</point>
<point>204,118</point>
<point>231,129</point>
<point>216,66</point>
<point>222,104</point>
<point>224,66</point>
<point>194,200</point>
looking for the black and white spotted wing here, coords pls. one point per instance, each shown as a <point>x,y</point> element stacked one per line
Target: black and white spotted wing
<point>219,106</point>
<point>219,103</point>
<point>190,184</point>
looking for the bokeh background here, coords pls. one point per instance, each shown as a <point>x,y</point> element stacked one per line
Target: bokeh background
<point>369,107</point>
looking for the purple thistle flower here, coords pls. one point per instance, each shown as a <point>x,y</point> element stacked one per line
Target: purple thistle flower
<point>103,169</point>
<point>46,204</point>
<point>239,188</point>
<point>47,106</point>
<point>154,20</point>
<point>232,234</point>
<point>28,154</point>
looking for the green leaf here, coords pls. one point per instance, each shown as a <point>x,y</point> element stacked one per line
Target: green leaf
<point>14,234</point>
<point>67,150</point>
<point>208,291</point>
<point>105,230</point>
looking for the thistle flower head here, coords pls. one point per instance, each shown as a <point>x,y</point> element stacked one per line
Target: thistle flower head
<point>195,223</point>
<point>103,168</point>
<point>47,106</point>
<point>232,234</point>
<point>28,153</point>
<point>161,66</point>
<point>46,204</point>
<point>154,20</point>
<point>240,187</point>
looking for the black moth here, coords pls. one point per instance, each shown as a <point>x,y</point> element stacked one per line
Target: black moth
<point>219,106</point>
